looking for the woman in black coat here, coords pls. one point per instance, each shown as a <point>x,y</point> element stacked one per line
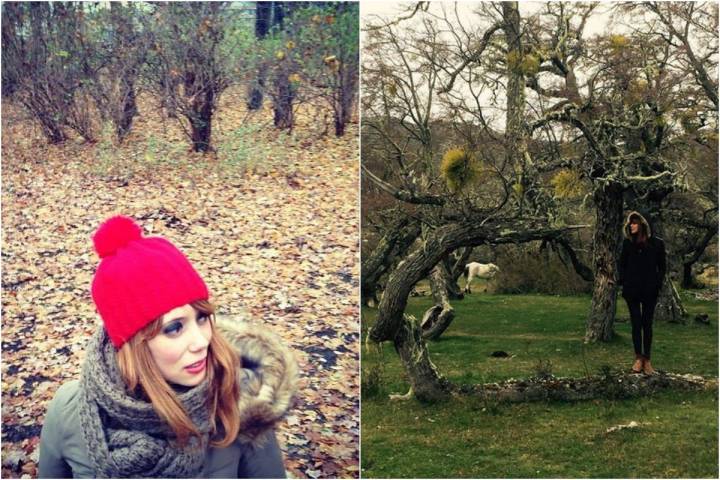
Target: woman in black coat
<point>642,269</point>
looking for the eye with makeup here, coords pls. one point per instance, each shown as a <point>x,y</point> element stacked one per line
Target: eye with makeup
<point>173,328</point>
<point>202,318</point>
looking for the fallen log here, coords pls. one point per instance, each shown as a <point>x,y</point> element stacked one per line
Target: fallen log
<point>603,386</point>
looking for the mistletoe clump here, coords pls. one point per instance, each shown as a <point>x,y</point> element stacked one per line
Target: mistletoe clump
<point>457,169</point>
<point>528,64</point>
<point>619,42</point>
<point>567,184</point>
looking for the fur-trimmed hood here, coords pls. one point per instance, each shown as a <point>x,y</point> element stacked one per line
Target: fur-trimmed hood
<point>626,227</point>
<point>268,375</point>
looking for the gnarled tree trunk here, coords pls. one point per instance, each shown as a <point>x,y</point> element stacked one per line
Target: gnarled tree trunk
<point>392,323</point>
<point>669,307</point>
<point>426,382</point>
<point>453,266</point>
<point>457,261</point>
<point>694,254</point>
<point>606,239</point>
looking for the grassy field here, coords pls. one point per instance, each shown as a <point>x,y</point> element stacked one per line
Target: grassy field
<point>677,434</point>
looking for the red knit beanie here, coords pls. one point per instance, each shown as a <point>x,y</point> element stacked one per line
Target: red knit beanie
<point>139,279</point>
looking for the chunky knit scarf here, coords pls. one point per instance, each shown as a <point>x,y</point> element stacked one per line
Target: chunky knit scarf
<point>124,436</point>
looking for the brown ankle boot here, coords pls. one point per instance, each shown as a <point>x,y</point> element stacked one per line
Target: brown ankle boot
<point>638,365</point>
<point>647,367</point>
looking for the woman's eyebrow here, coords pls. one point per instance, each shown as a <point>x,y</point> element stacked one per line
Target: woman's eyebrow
<point>177,319</point>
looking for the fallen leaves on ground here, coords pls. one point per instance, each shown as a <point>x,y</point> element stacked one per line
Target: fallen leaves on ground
<point>269,221</point>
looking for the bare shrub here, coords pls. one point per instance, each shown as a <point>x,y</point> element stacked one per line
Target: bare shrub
<point>525,270</point>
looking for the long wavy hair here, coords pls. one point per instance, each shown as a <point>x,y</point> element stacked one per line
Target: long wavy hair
<point>141,374</point>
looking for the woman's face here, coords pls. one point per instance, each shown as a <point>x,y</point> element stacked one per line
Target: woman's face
<point>180,348</point>
<point>634,226</point>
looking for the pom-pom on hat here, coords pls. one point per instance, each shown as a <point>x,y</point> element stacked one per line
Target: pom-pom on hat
<point>139,279</point>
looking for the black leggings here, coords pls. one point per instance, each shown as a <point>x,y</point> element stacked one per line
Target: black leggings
<point>641,309</point>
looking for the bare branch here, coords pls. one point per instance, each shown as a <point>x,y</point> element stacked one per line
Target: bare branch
<point>403,195</point>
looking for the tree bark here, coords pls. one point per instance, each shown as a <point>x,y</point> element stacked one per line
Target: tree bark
<point>280,9</point>
<point>126,111</point>
<point>687,277</point>
<point>345,96</point>
<point>453,267</point>
<point>427,384</point>
<point>607,235</point>
<point>128,106</point>
<point>40,90</point>
<point>669,307</point>
<point>515,133</point>
<point>263,15</point>
<point>400,235</point>
<point>52,129</point>
<point>283,115</point>
<point>439,317</point>
<point>201,119</point>
<point>698,249</point>
<point>457,261</point>
<point>169,86</point>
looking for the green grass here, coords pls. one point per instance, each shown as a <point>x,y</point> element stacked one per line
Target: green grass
<point>678,433</point>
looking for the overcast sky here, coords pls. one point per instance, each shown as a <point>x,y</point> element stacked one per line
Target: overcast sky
<point>377,12</point>
<point>391,9</point>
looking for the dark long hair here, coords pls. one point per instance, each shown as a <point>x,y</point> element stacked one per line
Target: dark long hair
<point>643,231</point>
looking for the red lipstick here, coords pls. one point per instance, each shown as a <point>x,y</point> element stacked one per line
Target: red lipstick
<point>196,367</point>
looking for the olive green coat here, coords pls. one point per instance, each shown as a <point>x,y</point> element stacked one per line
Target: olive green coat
<point>268,384</point>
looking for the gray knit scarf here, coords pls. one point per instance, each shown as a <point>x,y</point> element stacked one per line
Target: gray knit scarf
<point>124,436</point>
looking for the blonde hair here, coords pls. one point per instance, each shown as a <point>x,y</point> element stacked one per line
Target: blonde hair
<point>140,372</point>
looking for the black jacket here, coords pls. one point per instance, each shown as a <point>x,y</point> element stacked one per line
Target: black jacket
<point>642,267</point>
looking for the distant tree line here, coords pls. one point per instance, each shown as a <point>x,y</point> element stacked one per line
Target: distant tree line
<point>75,66</point>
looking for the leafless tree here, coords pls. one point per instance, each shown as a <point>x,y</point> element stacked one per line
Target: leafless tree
<point>185,64</point>
<point>468,198</point>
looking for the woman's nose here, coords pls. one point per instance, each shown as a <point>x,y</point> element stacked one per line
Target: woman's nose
<point>199,339</point>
